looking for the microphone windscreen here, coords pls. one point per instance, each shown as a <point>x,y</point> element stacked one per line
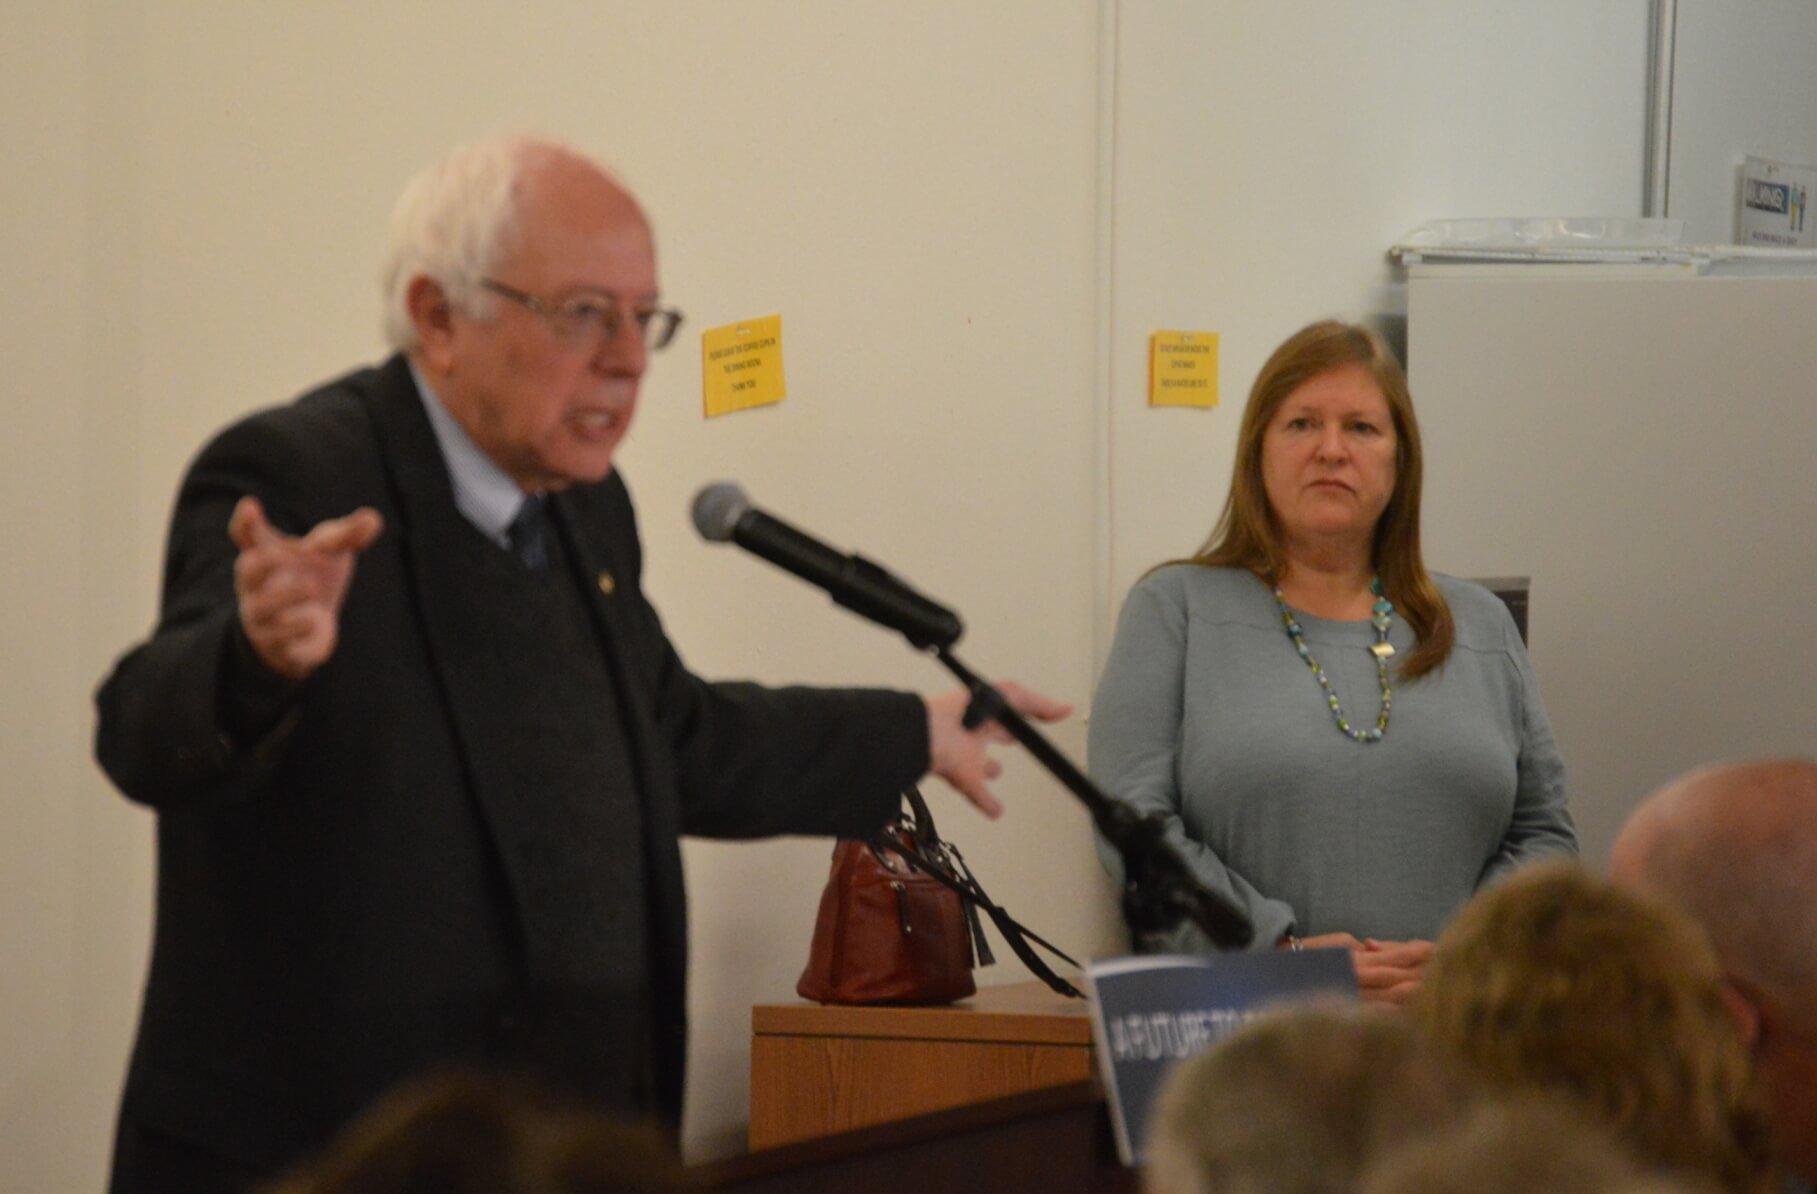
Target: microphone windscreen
<point>717,509</point>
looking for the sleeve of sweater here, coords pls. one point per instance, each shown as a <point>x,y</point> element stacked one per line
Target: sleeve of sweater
<point>1541,824</point>
<point>190,716</point>
<point>754,761</point>
<point>1134,746</point>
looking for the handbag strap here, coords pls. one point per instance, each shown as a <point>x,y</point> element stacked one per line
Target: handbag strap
<point>1019,935</point>
<point>927,838</point>
<point>960,879</point>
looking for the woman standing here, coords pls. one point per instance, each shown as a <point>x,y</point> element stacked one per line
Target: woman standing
<point>1341,742</point>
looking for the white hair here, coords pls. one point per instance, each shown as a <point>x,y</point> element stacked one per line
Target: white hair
<point>453,222</point>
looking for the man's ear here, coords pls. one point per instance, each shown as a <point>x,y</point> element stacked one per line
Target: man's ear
<point>433,317</point>
<point>1745,1008</point>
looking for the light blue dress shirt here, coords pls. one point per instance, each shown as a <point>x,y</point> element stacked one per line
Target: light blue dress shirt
<point>483,492</point>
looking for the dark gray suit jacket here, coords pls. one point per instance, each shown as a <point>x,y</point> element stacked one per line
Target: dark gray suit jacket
<point>336,904</point>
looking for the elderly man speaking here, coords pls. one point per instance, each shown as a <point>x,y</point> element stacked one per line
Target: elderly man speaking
<point>420,751</point>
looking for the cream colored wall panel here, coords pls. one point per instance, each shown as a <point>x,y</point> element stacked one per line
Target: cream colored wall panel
<point>1267,156</point>
<point>1641,450</point>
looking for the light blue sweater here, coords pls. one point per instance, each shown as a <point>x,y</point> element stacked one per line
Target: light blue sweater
<point>1206,715</point>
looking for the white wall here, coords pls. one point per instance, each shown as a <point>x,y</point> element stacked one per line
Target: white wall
<point>1269,154</point>
<point>74,877</point>
<point>1742,84</point>
<point>1639,448</point>
<point>194,214</point>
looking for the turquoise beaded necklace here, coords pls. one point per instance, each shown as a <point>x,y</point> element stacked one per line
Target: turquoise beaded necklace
<point>1381,618</point>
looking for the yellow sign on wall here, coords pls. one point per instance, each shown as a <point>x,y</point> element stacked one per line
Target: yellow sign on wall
<point>741,365</point>
<point>1183,369</point>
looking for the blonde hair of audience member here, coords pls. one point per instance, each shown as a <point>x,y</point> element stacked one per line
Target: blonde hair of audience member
<point>470,1133</point>
<point>1298,1102</point>
<point>1557,981</point>
<point>1516,1147</point>
<point>1736,847</point>
<point>1248,533</point>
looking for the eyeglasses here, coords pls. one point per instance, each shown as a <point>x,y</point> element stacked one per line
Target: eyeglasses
<point>594,317</point>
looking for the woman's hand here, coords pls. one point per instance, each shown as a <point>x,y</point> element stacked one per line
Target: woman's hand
<point>1390,971</point>
<point>1387,972</point>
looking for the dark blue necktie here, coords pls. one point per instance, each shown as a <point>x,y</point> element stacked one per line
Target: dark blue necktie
<point>527,534</point>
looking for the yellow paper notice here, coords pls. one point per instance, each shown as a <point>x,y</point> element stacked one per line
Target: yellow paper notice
<point>1183,369</point>
<point>741,365</point>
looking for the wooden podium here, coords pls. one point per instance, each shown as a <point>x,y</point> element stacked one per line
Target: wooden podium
<point>1056,1140</point>
<point>818,1070</point>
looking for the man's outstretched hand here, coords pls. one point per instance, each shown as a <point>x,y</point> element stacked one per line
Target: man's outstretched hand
<point>290,588</point>
<point>961,757</point>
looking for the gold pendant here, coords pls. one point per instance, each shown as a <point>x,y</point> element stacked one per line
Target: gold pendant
<point>1382,650</point>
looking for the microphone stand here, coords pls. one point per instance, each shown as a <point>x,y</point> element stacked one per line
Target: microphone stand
<point>1158,887</point>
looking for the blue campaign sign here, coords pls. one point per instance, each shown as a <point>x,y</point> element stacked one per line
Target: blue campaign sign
<point>1150,1012</point>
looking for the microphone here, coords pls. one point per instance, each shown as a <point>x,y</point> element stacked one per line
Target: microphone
<point>722,512</point>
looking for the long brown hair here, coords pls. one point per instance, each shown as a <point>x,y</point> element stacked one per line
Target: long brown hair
<point>1248,533</point>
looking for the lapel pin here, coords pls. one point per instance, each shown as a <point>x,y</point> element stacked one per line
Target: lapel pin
<point>607,584</point>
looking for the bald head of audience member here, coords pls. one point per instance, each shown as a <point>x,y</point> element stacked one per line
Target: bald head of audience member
<point>1555,982</point>
<point>1299,1102</point>
<point>1736,847</point>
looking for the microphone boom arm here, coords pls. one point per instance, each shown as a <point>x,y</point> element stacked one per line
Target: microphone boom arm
<point>1159,888</point>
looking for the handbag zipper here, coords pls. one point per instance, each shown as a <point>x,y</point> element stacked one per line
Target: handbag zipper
<point>908,929</point>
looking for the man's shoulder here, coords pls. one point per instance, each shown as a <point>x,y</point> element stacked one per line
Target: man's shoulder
<point>333,416</point>
<point>604,508</point>
<point>335,447</point>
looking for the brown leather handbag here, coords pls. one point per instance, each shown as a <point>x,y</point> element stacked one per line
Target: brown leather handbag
<point>899,921</point>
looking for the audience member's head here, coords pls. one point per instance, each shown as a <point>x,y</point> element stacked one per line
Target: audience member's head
<point>1736,847</point>
<point>467,1133</point>
<point>1519,1146</point>
<point>1299,1102</point>
<point>1555,981</point>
